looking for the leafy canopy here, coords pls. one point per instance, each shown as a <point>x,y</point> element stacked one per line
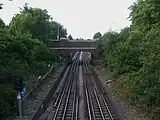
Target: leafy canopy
<point>70,37</point>
<point>97,35</point>
<point>133,56</point>
<point>24,52</point>
<point>37,23</point>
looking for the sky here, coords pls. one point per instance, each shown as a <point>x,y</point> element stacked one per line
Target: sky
<point>82,18</point>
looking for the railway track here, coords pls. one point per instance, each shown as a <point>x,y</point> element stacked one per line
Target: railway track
<point>66,105</point>
<point>97,106</point>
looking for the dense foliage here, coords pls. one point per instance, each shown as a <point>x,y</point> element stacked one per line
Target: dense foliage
<point>37,23</point>
<point>70,37</point>
<point>133,55</point>
<point>97,35</point>
<point>2,24</point>
<point>23,52</point>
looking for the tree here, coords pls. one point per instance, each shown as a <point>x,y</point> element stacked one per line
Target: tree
<point>70,37</point>
<point>133,56</point>
<point>23,52</point>
<point>1,4</point>
<point>97,35</point>
<point>143,13</point>
<point>2,24</point>
<point>20,55</point>
<point>54,29</point>
<point>62,31</point>
<point>33,21</point>
<point>37,23</point>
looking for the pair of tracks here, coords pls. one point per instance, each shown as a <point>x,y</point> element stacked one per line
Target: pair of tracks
<point>66,104</point>
<point>97,106</point>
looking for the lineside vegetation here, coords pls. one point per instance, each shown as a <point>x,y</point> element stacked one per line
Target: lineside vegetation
<point>133,56</point>
<point>24,51</point>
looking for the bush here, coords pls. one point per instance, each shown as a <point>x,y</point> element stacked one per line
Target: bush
<point>134,57</point>
<point>20,55</point>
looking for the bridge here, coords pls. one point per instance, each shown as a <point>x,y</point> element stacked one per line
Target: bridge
<point>65,46</point>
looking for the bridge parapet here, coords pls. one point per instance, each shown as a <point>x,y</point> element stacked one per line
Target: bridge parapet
<point>65,47</point>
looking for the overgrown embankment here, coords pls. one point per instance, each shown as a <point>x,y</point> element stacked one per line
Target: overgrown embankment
<point>23,51</point>
<point>133,56</point>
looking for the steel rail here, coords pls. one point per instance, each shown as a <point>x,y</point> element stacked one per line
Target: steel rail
<point>107,108</point>
<point>76,91</point>
<point>59,95</point>
<point>87,66</point>
<point>55,116</point>
<point>66,104</point>
<point>106,105</point>
<point>89,101</point>
<point>77,103</point>
<point>62,88</point>
<point>73,106</point>
<point>69,87</point>
<point>74,87</point>
<point>89,112</point>
<point>86,93</point>
<point>100,108</point>
<point>69,93</point>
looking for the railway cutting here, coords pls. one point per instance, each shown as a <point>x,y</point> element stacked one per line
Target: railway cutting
<point>80,96</point>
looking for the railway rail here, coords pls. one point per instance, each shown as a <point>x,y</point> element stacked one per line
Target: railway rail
<point>98,107</point>
<point>66,105</point>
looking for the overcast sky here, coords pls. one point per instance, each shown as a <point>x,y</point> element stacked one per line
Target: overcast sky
<point>82,18</point>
